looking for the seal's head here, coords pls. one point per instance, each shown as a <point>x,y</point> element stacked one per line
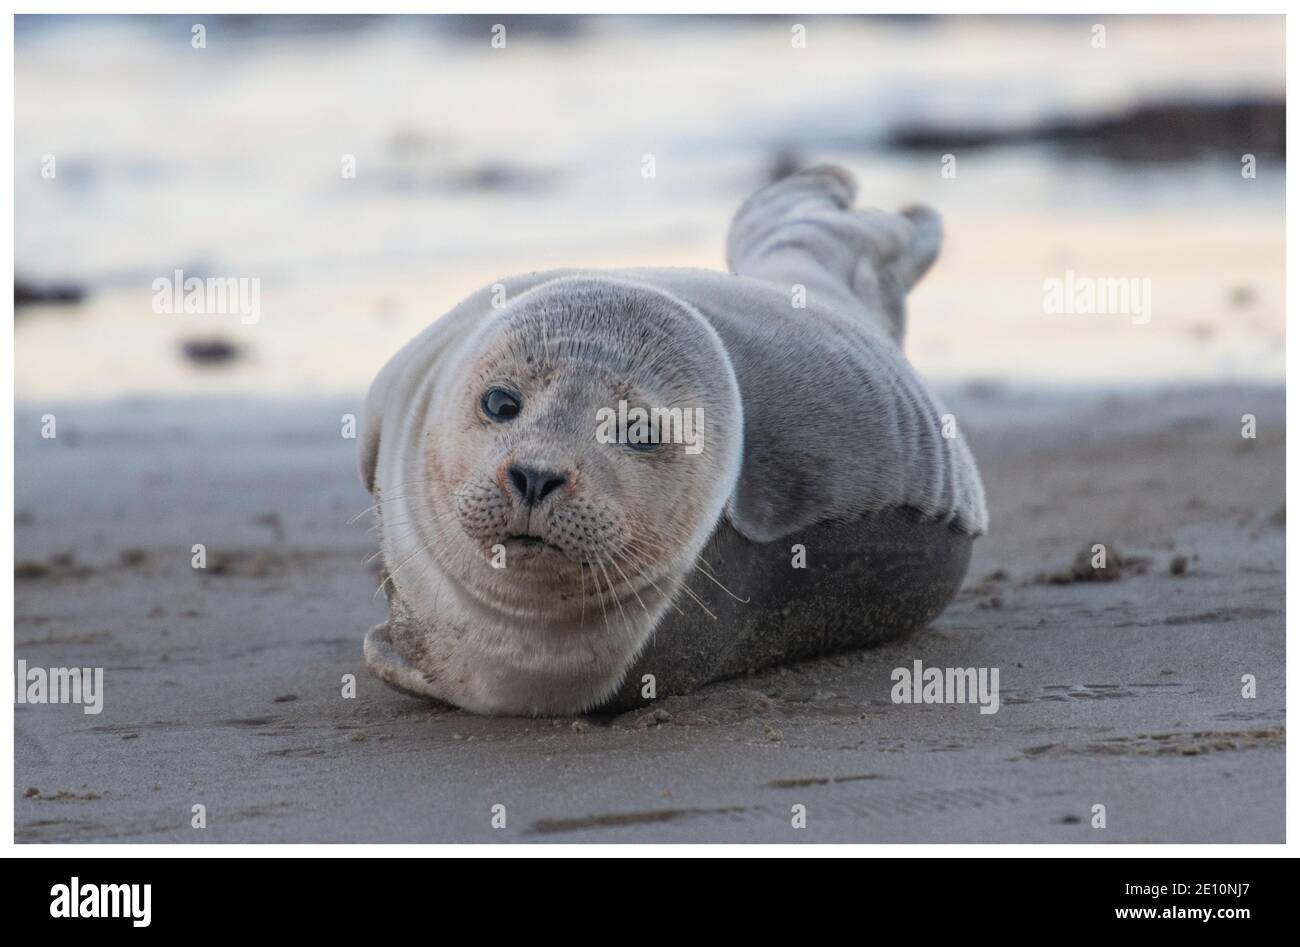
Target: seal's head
<point>555,477</point>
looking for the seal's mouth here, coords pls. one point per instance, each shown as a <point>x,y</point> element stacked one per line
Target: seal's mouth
<point>530,541</point>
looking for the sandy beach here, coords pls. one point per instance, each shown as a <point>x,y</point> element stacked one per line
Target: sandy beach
<point>223,686</point>
<point>362,175</point>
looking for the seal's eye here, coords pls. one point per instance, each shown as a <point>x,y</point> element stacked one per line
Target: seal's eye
<point>500,405</point>
<point>645,445</point>
<point>642,437</point>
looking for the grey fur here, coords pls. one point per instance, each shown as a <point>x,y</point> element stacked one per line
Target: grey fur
<point>837,433</point>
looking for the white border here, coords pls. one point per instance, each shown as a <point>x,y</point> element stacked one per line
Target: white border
<point>638,850</point>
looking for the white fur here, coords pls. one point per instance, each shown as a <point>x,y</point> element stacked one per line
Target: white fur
<point>835,425</point>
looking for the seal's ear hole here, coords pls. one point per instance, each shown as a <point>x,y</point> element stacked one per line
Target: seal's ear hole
<point>501,405</point>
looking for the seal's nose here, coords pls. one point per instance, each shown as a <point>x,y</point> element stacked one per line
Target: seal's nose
<point>532,485</point>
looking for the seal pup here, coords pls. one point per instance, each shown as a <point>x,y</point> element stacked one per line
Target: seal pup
<point>827,500</point>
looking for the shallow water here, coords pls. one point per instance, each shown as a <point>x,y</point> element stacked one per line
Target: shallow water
<point>474,162</point>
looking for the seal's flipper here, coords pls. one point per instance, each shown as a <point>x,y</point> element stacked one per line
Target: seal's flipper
<point>803,231</point>
<point>385,662</point>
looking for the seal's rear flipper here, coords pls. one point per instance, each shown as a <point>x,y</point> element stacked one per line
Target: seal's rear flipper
<point>803,231</point>
<point>386,663</point>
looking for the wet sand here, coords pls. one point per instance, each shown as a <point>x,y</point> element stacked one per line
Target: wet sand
<point>222,686</point>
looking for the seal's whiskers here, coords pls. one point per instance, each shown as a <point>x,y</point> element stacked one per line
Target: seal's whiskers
<point>386,499</point>
<point>629,585</point>
<point>636,565</point>
<point>644,543</point>
<point>701,565</point>
<point>613,593</point>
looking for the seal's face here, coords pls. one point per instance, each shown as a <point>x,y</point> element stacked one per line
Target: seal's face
<point>533,487</point>
<point>574,455</point>
<point>576,459</point>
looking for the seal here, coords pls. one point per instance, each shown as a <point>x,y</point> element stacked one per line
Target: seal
<point>597,488</point>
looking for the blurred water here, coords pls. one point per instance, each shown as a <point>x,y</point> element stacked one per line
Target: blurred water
<point>473,162</point>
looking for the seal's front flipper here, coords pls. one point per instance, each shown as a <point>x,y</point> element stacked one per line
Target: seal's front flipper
<point>803,231</point>
<point>385,662</point>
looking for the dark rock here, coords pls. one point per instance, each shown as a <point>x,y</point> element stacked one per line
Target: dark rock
<point>210,351</point>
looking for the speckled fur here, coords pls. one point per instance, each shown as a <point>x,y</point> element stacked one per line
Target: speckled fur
<point>830,420</point>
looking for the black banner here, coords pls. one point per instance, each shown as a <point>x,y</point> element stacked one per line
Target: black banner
<point>340,895</point>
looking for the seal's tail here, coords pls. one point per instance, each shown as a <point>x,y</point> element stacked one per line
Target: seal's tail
<point>803,231</point>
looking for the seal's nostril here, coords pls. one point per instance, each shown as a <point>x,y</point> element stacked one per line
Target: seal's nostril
<point>533,486</point>
<point>548,482</point>
<point>519,479</point>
